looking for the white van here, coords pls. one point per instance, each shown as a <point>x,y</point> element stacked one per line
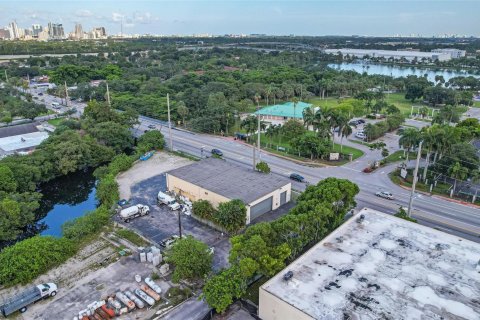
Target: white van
<point>164,198</point>
<point>361,135</point>
<point>55,105</point>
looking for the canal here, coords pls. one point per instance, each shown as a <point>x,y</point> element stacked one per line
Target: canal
<point>398,71</point>
<point>65,199</point>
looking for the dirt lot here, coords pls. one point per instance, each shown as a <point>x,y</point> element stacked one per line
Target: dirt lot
<point>160,162</point>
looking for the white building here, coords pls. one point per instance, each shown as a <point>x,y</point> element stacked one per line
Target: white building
<point>454,53</point>
<point>377,266</point>
<point>390,54</point>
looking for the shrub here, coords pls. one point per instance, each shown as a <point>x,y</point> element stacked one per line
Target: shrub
<point>203,209</point>
<point>403,215</point>
<point>107,190</point>
<point>231,215</point>
<point>151,140</point>
<point>367,170</point>
<point>27,259</point>
<point>120,163</point>
<point>262,166</point>
<point>88,224</point>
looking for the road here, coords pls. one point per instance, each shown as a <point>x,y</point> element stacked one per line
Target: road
<point>455,218</point>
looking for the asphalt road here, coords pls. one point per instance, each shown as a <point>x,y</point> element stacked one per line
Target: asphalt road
<point>451,217</point>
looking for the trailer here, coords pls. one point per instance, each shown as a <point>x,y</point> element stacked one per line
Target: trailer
<point>20,301</point>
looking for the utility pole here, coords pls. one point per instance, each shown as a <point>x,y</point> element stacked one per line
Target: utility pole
<point>169,123</point>
<point>108,96</point>
<point>415,173</point>
<point>258,136</point>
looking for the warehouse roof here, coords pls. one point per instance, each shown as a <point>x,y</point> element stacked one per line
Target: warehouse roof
<point>23,141</point>
<point>18,129</point>
<point>285,110</point>
<point>384,267</point>
<point>229,180</point>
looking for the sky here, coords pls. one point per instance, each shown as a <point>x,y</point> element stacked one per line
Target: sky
<point>314,17</point>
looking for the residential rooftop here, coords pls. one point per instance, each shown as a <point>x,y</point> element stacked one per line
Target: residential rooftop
<point>383,267</point>
<point>229,180</point>
<point>285,110</point>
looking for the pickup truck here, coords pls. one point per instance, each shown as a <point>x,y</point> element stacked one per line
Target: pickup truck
<point>20,301</point>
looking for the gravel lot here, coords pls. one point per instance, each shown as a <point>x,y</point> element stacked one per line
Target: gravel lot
<point>160,162</point>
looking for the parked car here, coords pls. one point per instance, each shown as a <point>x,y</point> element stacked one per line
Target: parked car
<point>297,177</point>
<point>217,152</point>
<point>360,121</point>
<point>152,126</point>
<point>384,194</point>
<point>360,135</point>
<point>167,243</point>
<point>40,94</point>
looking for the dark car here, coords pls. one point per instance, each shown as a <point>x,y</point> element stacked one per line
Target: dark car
<point>152,126</point>
<point>360,121</point>
<point>297,177</point>
<point>40,94</point>
<point>217,152</point>
<point>353,123</point>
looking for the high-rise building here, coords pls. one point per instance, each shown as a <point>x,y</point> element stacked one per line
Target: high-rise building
<point>36,29</point>
<point>99,33</point>
<point>14,31</point>
<point>78,33</point>
<point>4,34</point>
<point>55,31</point>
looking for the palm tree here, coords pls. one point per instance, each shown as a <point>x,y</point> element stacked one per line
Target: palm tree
<point>308,116</point>
<point>295,102</point>
<point>409,139</point>
<point>429,145</point>
<point>344,131</point>
<point>457,171</point>
<point>250,125</point>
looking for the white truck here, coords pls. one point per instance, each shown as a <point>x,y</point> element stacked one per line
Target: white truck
<point>134,211</point>
<point>164,198</point>
<point>20,301</point>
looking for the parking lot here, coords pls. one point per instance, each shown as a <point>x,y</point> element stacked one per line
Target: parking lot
<point>162,223</point>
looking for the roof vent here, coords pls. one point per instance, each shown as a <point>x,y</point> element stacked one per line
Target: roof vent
<point>287,276</point>
<point>361,218</point>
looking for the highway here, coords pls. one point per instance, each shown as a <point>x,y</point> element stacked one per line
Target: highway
<point>455,218</point>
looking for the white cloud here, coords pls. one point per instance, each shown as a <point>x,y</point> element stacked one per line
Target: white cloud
<point>83,13</point>
<point>117,17</point>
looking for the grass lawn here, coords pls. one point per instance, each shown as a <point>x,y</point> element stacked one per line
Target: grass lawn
<point>398,99</point>
<point>398,156</point>
<point>327,102</point>
<point>132,237</point>
<point>55,122</point>
<point>277,143</point>
<point>362,142</point>
<point>476,104</point>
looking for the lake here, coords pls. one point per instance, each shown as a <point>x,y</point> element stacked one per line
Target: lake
<point>65,199</point>
<point>398,71</point>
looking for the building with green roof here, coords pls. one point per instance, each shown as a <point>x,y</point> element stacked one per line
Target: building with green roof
<point>279,113</point>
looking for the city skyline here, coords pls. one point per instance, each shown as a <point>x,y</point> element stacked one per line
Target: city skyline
<point>371,18</point>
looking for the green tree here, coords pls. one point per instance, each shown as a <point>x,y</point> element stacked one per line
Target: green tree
<point>113,134</point>
<point>182,111</point>
<point>191,258</point>
<point>27,259</point>
<point>7,180</point>
<point>221,290</point>
<point>231,215</point>
<point>409,139</point>
<point>457,171</point>
<point>262,166</point>
<point>292,129</point>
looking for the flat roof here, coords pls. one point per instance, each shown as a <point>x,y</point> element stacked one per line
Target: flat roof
<point>373,52</point>
<point>285,110</point>
<point>18,129</point>
<point>384,267</point>
<point>23,141</point>
<point>229,180</point>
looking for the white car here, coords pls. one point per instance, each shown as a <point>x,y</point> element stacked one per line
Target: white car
<point>384,194</point>
<point>360,134</point>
